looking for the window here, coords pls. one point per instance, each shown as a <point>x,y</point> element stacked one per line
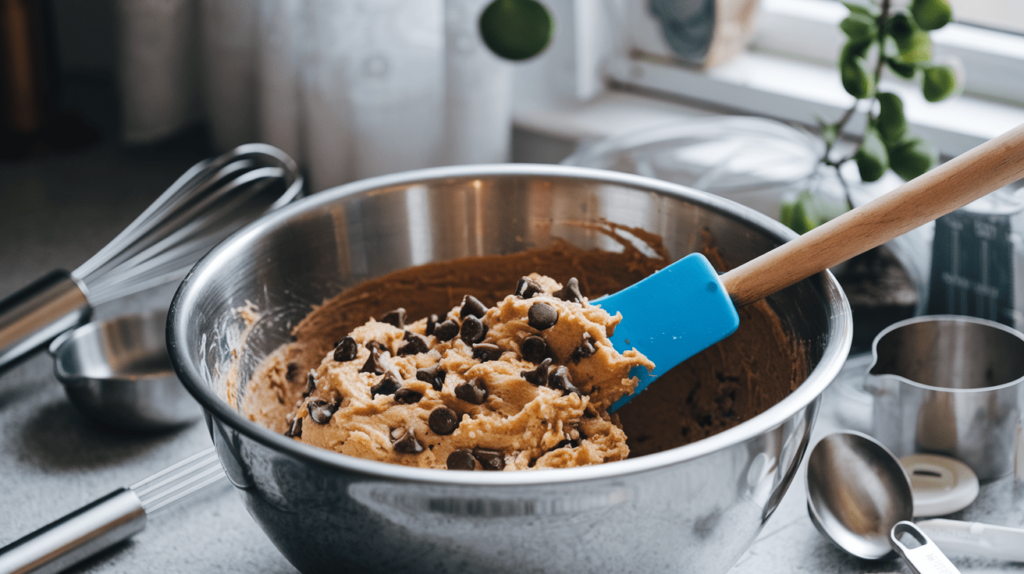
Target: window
<point>789,73</point>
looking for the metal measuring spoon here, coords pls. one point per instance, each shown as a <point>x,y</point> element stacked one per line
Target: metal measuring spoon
<point>859,497</point>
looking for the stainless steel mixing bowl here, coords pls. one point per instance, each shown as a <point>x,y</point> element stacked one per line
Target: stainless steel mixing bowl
<point>694,508</point>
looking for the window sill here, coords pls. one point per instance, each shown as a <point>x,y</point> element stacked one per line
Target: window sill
<point>648,93</point>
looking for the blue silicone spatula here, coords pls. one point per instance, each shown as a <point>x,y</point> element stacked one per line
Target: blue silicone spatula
<point>687,307</point>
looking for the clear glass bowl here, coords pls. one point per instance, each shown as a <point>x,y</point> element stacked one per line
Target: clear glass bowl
<point>754,161</point>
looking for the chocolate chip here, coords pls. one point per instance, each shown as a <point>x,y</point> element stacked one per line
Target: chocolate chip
<point>472,330</point>
<point>527,288</point>
<point>415,344</point>
<point>293,369</point>
<point>489,459</point>
<point>538,376</point>
<point>446,331</point>
<point>396,318</point>
<point>443,421</point>
<point>586,349</point>
<point>431,323</point>
<point>321,411</point>
<point>310,384</point>
<point>461,459</point>
<point>294,431</point>
<point>389,385</point>
<point>484,352</point>
<point>433,374</point>
<point>542,316</point>
<point>407,443</point>
<point>571,292</point>
<point>474,391</point>
<point>472,307</point>
<point>560,380</point>
<point>371,345</point>
<point>534,349</point>
<point>407,396</point>
<point>346,350</point>
<point>374,364</point>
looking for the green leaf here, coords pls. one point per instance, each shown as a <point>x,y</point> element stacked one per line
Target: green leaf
<point>900,69</point>
<point>795,215</point>
<point>829,133</point>
<point>516,29</point>
<point>854,49</point>
<point>859,9</point>
<point>856,78</point>
<point>872,157</point>
<point>939,82</point>
<point>891,123</point>
<point>931,14</point>
<point>859,27</point>
<point>913,157</point>
<point>913,43</point>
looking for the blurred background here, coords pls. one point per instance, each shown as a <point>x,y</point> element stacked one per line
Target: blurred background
<point>728,96</point>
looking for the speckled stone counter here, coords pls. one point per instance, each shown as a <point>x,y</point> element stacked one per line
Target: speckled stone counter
<point>57,211</point>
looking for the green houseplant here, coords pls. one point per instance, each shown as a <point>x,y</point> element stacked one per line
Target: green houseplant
<point>880,37</point>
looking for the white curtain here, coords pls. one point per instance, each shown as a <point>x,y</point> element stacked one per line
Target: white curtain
<point>349,88</point>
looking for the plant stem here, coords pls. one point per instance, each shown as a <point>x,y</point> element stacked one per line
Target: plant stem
<point>883,19</point>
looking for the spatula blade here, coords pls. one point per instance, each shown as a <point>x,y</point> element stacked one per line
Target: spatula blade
<point>671,316</point>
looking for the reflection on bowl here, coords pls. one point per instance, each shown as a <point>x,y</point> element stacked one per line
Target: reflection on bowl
<point>696,507</point>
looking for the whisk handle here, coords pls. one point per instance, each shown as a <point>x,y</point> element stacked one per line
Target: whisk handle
<point>35,315</point>
<point>77,536</point>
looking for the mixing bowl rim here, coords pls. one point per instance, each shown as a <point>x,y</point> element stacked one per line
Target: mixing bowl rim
<point>800,398</point>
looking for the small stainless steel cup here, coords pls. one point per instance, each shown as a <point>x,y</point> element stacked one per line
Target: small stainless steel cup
<point>949,384</point>
<point>117,372</point>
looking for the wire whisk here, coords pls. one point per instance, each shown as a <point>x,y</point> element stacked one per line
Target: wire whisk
<point>213,199</point>
<point>207,203</point>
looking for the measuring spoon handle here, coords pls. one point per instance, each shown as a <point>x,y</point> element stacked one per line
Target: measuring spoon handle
<point>924,559</point>
<point>1000,542</point>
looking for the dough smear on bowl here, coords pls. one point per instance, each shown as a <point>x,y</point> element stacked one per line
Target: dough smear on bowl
<point>379,406</point>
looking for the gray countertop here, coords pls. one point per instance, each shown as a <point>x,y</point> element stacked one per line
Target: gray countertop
<point>55,212</point>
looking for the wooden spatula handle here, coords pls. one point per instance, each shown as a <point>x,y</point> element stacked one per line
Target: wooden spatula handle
<point>946,188</point>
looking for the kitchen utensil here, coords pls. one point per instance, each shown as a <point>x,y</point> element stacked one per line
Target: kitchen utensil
<point>859,497</point>
<point>941,485</point>
<point>697,507</point>
<point>206,204</point>
<point>117,373</point>
<point>951,385</point>
<point>976,257</point>
<point>108,520</point>
<point>959,537</point>
<point>696,308</point>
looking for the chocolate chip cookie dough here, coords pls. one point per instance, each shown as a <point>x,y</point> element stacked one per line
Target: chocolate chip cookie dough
<point>523,384</point>
<point>717,389</point>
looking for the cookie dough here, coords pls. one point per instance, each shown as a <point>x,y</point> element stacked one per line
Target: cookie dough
<point>717,389</point>
<point>520,385</point>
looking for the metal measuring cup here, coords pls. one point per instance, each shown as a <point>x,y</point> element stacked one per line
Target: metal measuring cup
<point>950,385</point>
<point>117,373</point>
